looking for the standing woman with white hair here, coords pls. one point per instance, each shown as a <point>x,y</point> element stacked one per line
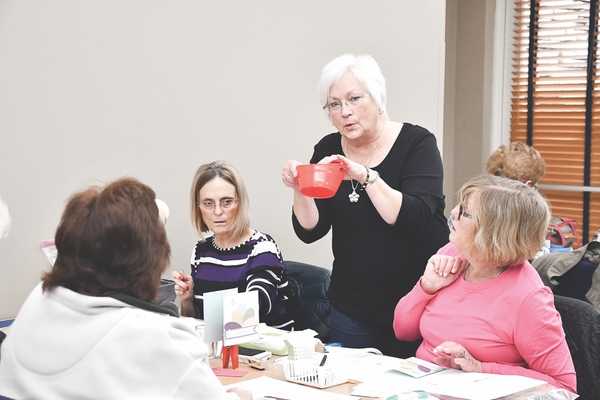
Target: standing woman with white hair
<point>387,218</point>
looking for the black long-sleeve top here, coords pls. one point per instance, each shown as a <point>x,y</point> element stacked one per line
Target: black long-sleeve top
<point>375,264</point>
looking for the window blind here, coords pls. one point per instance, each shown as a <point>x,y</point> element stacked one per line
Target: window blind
<point>555,105</point>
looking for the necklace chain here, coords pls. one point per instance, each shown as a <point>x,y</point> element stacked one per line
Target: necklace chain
<point>464,274</point>
<point>355,196</point>
<point>347,152</point>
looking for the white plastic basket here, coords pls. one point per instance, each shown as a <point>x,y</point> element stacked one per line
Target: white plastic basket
<point>310,374</point>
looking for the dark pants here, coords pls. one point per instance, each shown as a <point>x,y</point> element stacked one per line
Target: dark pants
<point>355,334</point>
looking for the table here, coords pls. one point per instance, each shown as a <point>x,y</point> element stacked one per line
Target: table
<point>275,371</point>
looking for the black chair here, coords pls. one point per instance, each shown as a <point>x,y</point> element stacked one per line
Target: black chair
<point>577,281</point>
<point>581,323</point>
<point>308,301</point>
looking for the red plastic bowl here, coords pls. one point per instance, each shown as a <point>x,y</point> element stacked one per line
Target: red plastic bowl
<point>321,181</point>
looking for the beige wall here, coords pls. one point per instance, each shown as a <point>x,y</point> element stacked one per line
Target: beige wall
<point>71,74</point>
<point>468,95</point>
<point>91,91</point>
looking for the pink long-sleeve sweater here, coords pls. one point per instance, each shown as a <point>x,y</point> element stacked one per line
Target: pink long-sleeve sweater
<point>509,323</point>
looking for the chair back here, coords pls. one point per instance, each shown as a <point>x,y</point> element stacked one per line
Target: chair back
<point>308,303</point>
<point>166,292</point>
<point>581,323</point>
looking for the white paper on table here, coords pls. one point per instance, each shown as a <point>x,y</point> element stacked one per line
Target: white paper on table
<point>387,384</point>
<point>351,352</point>
<point>265,386</point>
<point>450,382</point>
<point>365,368</point>
<point>477,386</point>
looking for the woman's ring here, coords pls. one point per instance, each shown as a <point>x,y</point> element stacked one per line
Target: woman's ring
<point>461,355</point>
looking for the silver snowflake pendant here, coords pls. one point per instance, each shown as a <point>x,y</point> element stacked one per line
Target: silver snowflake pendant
<point>353,196</point>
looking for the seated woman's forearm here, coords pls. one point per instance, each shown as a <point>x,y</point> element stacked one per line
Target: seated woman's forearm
<point>187,308</point>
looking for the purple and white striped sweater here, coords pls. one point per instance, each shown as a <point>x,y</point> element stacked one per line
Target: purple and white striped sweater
<point>256,264</point>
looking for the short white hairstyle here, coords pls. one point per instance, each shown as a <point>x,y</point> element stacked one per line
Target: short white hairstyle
<point>364,68</point>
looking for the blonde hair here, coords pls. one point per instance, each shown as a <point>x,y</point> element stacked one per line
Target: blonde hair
<point>518,161</point>
<point>510,219</point>
<point>208,172</point>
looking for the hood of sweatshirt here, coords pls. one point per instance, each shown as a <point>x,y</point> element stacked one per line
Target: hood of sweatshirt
<point>68,326</point>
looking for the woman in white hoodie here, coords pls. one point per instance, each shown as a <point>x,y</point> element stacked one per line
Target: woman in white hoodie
<point>91,328</point>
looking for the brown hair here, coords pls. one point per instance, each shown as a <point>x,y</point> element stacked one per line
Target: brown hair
<point>510,219</point>
<point>208,172</point>
<point>518,161</point>
<point>111,240</point>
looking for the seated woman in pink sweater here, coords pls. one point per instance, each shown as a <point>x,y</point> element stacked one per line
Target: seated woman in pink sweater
<point>480,306</point>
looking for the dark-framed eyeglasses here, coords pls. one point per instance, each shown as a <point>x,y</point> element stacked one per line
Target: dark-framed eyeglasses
<point>336,106</point>
<point>224,204</point>
<point>462,213</point>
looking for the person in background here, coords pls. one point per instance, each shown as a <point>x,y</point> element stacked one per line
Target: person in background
<point>91,328</point>
<point>522,163</point>
<point>487,297</point>
<point>232,255</point>
<point>518,161</point>
<point>387,217</point>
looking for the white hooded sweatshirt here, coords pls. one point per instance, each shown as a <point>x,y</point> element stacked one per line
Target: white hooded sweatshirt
<point>64,345</point>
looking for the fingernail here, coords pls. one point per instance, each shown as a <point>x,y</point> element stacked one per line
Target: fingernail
<point>187,287</point>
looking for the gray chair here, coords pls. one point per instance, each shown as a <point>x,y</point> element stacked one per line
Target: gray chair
<point>166,292</point>
<point>308,303</point>
<point>581,323</point>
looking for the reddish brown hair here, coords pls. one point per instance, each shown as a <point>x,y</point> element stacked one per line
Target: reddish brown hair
<point>519,162</point>
<point>111,240</point>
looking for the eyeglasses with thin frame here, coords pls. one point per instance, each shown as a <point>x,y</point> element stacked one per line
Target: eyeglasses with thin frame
<point>336,106</point>
<point>462,213</point>
<point>224,204</point>
<point>532,185</point>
